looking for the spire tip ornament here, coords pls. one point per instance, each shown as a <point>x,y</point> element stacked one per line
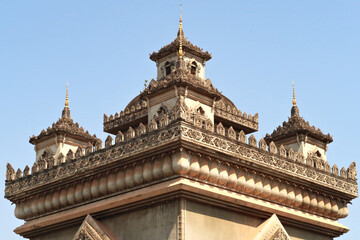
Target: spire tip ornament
<point>181,53</point>
<point>67,95</point>
<point>294,98</point>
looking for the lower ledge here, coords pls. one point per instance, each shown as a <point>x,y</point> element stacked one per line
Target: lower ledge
<point>182,188</point>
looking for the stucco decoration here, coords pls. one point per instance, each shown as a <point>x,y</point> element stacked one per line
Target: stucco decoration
<point>271,229</point>
<point>297,125</point>
<point>91,229</point>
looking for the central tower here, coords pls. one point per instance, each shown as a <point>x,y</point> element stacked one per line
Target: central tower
<point>183,166</point>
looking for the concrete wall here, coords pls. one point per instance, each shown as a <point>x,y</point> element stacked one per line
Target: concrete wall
<point>157,222</point>
<point>63,234</point>
<point>205,222</point>
<point>202,222</point>
<point>300,234</point>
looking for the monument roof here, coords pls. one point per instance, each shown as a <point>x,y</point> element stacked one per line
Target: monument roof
<point>64,125</point>
<point>174,47</point>
<point>297,125</point>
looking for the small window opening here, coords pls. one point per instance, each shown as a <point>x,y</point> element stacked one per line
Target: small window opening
<point>200,111</point>
<point>318,154</point>
<point>193,68</point>
<point>167,68</point>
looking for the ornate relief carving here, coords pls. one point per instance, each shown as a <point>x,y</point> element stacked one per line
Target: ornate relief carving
<point>252,140</point>
<point>153,125</point>
<point>65,124</point>
<point>220,129</point>
<point>79,152</point>
<point>18,174</point>
<point>280,235</point>
<point>108,141</point>
<point>231,133</point>
<point>60,159</point>
<point>215,141</point>
<point>141,129</point>
<point>130,134</point>
<point>297,124</point>
<point>91,229</point>
<point>351,172</point>
<point>26,171</point>
<point>69,156</point>
<point>282,151</point>
<point>272,148</point>
<point>10,172</point>
<point>119,137</point>
<point>262,144</point>
<point>242,137</point>
<point>98,145</point>
<point>174,47</point>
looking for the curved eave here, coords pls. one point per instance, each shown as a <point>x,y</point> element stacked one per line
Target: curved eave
<point>322,138</point>
<point>174,46</point>
<point>157,91</point>
<point>48,135</point>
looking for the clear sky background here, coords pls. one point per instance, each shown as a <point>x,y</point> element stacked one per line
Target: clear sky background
<point>102,48</point>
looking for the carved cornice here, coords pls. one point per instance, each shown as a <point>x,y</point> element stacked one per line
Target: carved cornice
<point>235,117</point>
<point>65,125</point>
<point>297,125</point>
<point>181,76</point>
<point>291,163</point>
<point>174,47</point>
<point>131,114</point>
<point>284,176</point>
<point>272,158</point>
<point>137,175</point>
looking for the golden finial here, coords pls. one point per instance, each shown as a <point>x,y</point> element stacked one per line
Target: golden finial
<point>180,36</point>
<point>67,95</point>
<point>294,99</point>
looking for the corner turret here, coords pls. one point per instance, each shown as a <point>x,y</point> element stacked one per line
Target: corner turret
<point>62,136</point>
<point>299,135</point>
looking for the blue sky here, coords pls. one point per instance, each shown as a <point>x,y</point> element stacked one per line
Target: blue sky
<point>102,48</point>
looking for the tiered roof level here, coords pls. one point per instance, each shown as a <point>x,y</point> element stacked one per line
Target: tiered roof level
<point>180,137</point>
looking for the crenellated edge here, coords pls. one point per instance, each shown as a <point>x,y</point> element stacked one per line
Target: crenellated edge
<point>227,140</point>
<point>127,115</point>
<point>188,164</point>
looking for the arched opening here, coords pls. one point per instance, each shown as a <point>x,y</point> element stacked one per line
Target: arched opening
<point>193,68</point>
<point>167,68</point>
<point>200,111</point>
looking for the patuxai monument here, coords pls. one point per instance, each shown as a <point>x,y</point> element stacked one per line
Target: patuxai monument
<point>181,162</point>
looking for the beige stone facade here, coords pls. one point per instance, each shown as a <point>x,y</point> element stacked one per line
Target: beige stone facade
<point>184,165</point>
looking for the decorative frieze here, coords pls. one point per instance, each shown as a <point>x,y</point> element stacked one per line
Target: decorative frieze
<point>292,164</point>
<point>135,112</point>
<point>234,115</point>
<point>187,164</point>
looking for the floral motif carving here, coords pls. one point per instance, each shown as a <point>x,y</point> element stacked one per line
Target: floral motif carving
<point>231,133</point>
<point>252,140</point>
<point>272,148</point>
<point>262,144</point>
<point>242,137</point>
<point>10,172</point>
<point>26,171</point>
<point>108,141</point>
<point>351,172</point>
<point>220,129</point>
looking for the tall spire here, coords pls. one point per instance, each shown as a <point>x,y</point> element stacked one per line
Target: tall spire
<point>181,53</point>
<point>180,64</point>
<point>67,95</point>
<point>294,110</point>
<point>294,98</point>
<point>66,111</point>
